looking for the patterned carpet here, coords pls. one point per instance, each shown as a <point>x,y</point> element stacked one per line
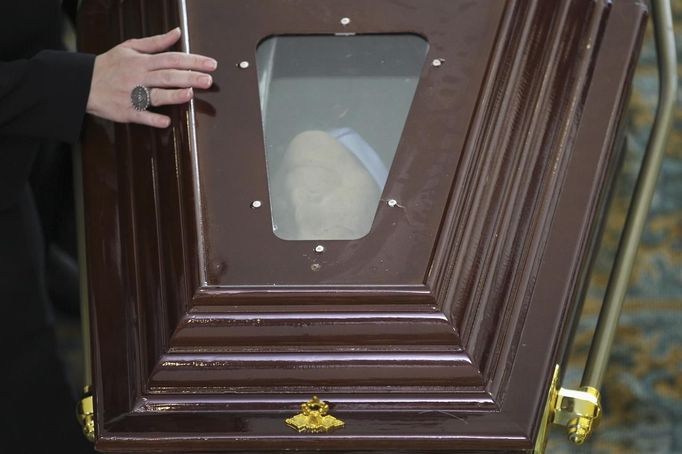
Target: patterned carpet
<point>643,393</point>
<point>642,396</point>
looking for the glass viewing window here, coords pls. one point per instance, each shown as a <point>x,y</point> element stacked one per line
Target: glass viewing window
<point>333,111</point>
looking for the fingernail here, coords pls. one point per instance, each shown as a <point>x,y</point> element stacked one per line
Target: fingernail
<point>206,80</point>
<point>177,30</point>
<point>210,64</point>
<point>190,93</point>
<point>165,122</point>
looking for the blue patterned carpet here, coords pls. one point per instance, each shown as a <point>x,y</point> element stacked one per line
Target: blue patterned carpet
<point>642,396</point>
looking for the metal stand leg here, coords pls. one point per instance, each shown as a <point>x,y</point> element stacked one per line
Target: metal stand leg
<point>579,410</point>
<point>597,360</point>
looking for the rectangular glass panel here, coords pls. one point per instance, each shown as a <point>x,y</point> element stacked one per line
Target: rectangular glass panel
<point>333,109</point>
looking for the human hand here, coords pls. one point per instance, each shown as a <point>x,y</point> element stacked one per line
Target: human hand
<point>170,77</point>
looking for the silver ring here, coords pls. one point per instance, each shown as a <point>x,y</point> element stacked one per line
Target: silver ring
<point>141,98</point>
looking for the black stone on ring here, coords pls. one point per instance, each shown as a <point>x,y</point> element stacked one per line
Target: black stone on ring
<point>140,97</point>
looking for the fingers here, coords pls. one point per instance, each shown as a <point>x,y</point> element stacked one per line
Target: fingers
<point>161,97</point>
<point>151,119</point>
<point>179,60</point>
<point>157,43</point>
<point>169,60</point>
<point>172,78</point>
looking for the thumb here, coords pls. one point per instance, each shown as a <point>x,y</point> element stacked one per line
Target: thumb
<point>157,43</point>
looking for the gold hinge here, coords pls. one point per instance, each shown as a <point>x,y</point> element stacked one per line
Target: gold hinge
<point>86,413</point>
<point>577,410</point>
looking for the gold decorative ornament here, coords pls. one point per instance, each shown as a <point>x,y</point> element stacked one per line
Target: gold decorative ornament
<point>86,414</point>
<point>314,418</point>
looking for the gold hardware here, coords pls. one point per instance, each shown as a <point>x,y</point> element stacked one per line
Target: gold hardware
<point>314,418</point>
<point>86,413</point>
<point>577,410</point>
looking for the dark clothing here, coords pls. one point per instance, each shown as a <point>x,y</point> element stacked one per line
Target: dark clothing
<point>43,91</point>
<point>38,404</point>
<point>43,96</point>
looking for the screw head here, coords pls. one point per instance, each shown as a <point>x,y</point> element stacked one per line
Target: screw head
<point>256,204</point>
<point>437,62</point>
<point>243,65</point>
<point>392,203</point>
<point>319,249</point>
<point>345,21</point>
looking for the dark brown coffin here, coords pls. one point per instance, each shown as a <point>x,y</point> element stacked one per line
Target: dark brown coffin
<point>438,331</point>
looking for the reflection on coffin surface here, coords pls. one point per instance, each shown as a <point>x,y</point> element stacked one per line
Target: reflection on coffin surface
<point>391,206</point>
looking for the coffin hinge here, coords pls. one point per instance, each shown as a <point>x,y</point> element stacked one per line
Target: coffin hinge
<point>85,412</point>
<point>578,410</point>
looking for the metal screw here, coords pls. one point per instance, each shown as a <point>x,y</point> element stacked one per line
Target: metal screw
<point>256,204</point>
<point>319,249</point>
<point>437,62</point>
<point>243,65</point>
<point>345,21</point>
<point>392,203</point>
<point>315,267</point>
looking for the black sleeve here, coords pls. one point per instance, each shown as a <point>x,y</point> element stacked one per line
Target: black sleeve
<point>45,96</point>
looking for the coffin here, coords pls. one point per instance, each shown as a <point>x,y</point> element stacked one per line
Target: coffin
<point>390,205</point>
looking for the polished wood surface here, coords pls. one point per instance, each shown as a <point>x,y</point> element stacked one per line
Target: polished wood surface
<point>437,331</point>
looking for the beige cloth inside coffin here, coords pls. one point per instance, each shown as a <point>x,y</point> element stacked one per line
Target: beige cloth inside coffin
<point>321,191</point>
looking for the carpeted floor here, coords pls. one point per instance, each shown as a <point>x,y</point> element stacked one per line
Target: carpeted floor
<point>643,393</point>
